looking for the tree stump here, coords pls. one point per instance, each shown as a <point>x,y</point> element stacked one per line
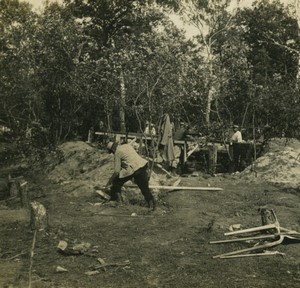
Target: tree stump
<point>18,188</point>
<point>39,217</point>
<point>14,187</point>
<point>268,216</point>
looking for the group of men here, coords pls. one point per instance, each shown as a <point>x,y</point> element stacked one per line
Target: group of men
<point>128,165</point>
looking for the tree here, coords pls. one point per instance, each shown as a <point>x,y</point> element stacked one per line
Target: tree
<point>137,47</point>
<point>104,22</point>
<point>271,35</point>
<point>58,49</point>
<point>16,63</point>
<point>207,17</point>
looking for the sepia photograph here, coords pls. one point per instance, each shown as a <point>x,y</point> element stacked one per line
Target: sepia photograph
<point>149,143</point>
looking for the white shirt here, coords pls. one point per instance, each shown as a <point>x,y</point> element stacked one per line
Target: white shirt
<point>127,160</point>
<point>237,137</point>
<point>153,131</point>
<point>147,130</point>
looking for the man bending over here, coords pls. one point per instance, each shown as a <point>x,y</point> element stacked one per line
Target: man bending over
<point>129,165</point>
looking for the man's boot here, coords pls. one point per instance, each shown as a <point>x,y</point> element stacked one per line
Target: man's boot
<point>152,204</point>
<point>119,199</point>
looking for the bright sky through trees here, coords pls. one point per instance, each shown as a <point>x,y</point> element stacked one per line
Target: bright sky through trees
<point>38,3</point>
<point>191,31</point>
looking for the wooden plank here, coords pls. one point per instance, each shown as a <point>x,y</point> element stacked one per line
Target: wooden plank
<point>133,135</point>
<point>267,253</point>
<point>245,239</point>
<point>255,229</point>
<point>179,188</point>
<point>189,153</point>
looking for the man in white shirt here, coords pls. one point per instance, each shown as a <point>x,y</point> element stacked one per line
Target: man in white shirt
<point>129,165</point>
<point>234,148</point>
<point>237,136</point>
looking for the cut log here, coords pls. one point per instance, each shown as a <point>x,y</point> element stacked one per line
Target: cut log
<point>39,217</point>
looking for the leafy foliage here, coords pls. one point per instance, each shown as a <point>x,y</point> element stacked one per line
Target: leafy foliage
<point>64,70</point>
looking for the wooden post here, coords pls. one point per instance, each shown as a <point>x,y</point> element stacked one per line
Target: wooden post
<point>212,158</point>
<point>39,217</point>
<point>13,188</point>
<point>215,157</point>
<point>184,152</point>
<point>91,135</point>
<point>4,188</point>
<point>24,194</point>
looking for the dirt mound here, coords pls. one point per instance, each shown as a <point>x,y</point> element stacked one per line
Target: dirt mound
<point>82,162</point>
<point>279,144</point>
<point>93,167</point>
<point>83,168</point>
<point>280,165</point>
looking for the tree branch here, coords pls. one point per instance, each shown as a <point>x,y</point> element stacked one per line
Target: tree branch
<point>281,45</point>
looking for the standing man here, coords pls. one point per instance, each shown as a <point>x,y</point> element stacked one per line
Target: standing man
<point>237,135</point>
<point>181,132</point>
<point>129,165</point>
<point>235,148</point>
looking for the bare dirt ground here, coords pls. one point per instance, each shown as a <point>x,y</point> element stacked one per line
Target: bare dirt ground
<point>129,246</point>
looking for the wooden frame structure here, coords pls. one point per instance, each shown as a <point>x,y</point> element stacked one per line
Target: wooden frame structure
<point>211,148</point>
<point>124,137</point>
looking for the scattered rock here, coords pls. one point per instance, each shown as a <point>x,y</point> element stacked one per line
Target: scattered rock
<point>60,269</point>
<point>91,273</point>
<point>234,227</point>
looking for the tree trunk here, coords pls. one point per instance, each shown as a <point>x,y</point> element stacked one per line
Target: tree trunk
<point>297,8</point>
<point>39,217</point>
<point>211,88</point>
<point>208,106</point>
<point>122,104</point>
